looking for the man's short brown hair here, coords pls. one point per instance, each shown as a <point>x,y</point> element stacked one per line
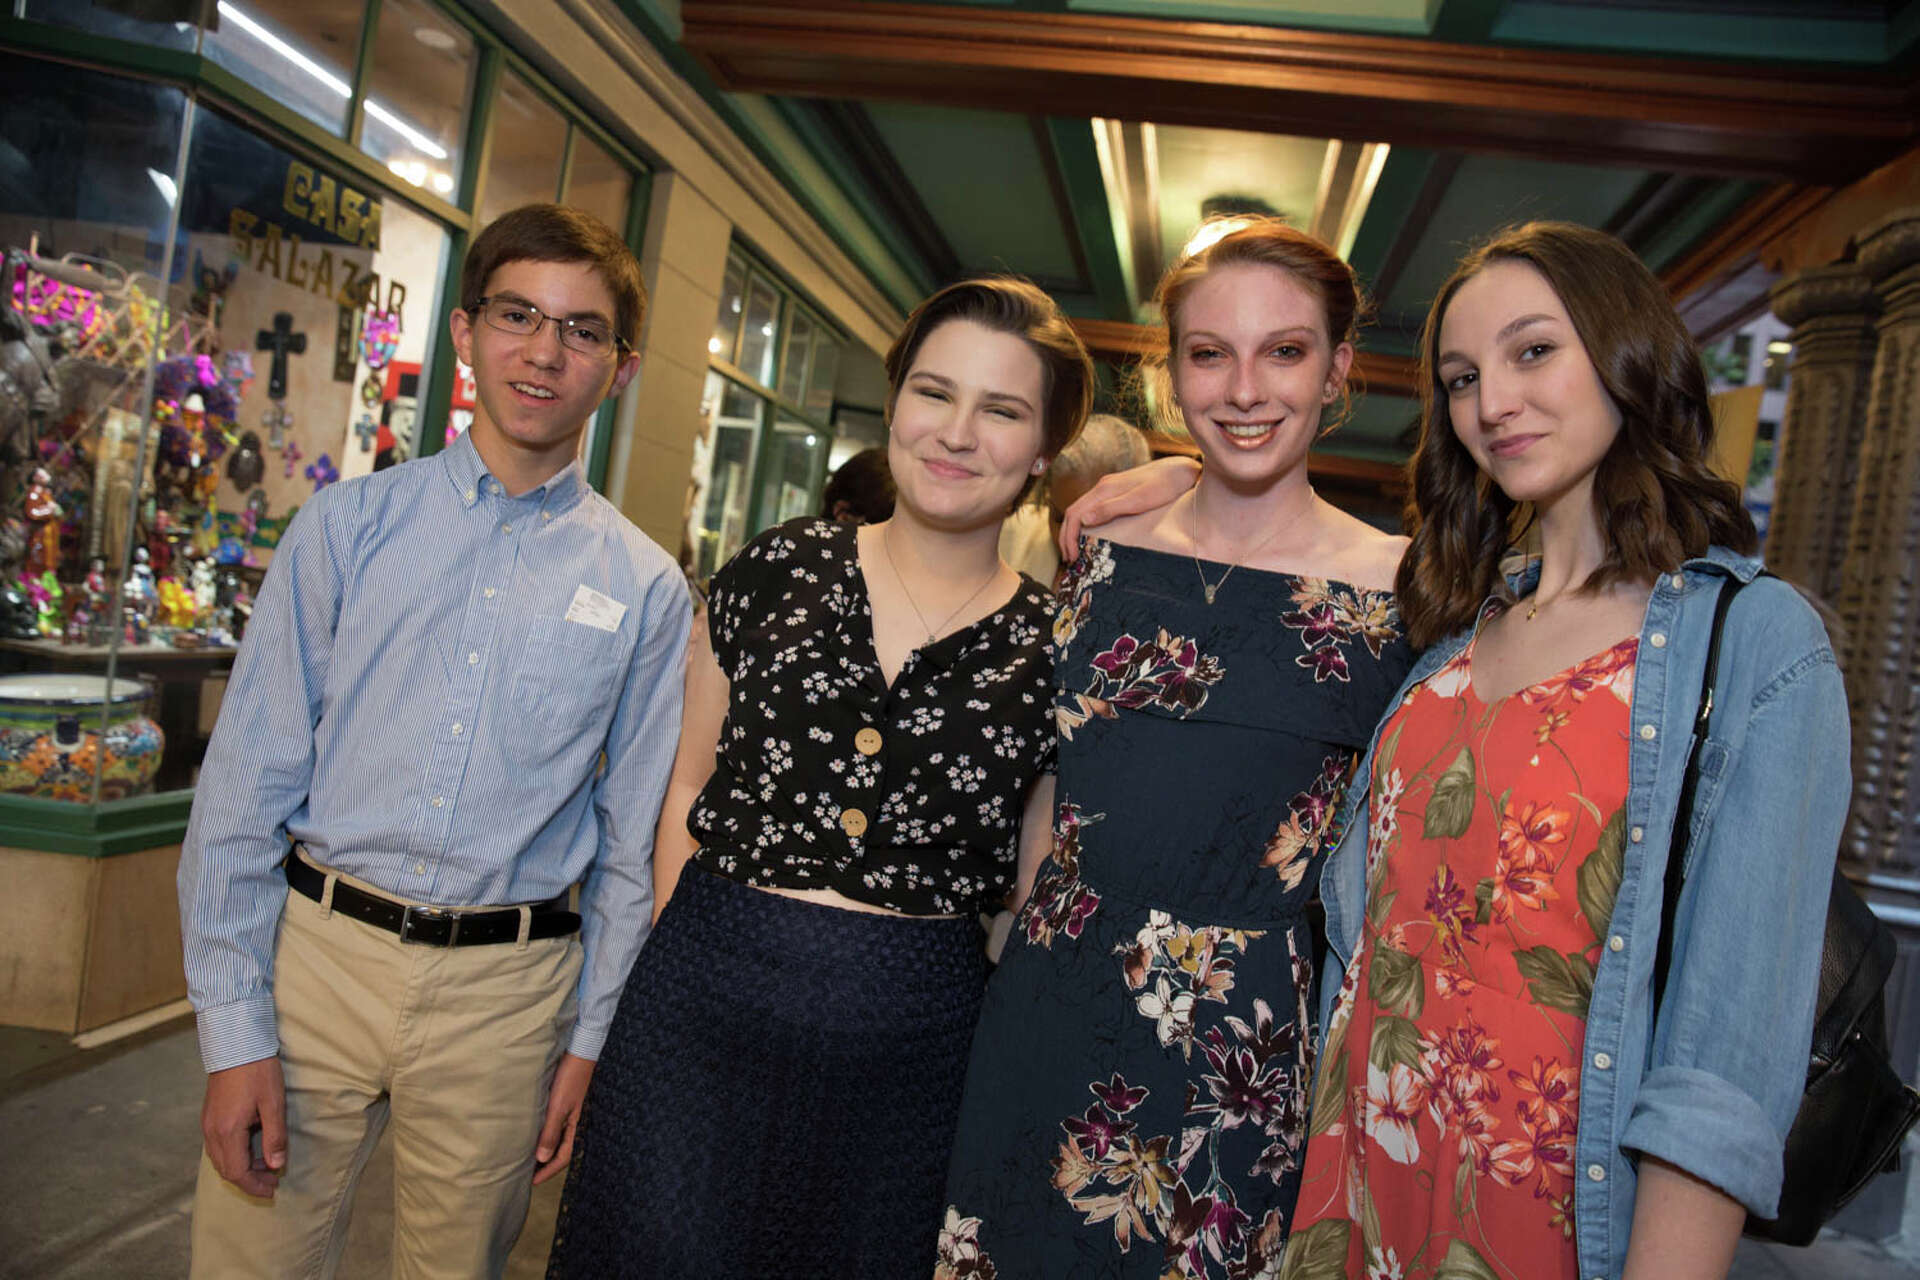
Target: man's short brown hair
<point>557,233</point>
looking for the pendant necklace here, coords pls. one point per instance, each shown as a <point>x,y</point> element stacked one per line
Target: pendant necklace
<point>1210,589</point>
<point>899,577</point>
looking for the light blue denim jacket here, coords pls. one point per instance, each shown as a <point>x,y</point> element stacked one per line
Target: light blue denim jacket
<point>1713,1089</point>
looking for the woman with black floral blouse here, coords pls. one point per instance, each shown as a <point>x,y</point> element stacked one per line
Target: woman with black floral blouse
<point>1137,1100</point>
<point>865,763</point>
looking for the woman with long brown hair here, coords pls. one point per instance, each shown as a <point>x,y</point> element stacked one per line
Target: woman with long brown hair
<point>1498,1094</point>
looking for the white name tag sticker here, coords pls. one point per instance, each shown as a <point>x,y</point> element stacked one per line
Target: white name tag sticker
<point>592,609</point>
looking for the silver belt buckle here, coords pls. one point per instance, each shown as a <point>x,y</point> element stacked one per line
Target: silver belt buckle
<point>411,914</point>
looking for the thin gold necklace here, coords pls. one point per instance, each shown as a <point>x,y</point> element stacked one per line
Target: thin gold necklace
<point>1209,589</point>
<point>907,591</point>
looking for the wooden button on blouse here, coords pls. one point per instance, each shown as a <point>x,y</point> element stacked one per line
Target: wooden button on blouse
<point>853,822</point>
<point>867,742</point>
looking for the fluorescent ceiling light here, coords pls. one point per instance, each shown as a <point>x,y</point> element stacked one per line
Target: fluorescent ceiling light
<point>252,26</point>
<point>420,141</point>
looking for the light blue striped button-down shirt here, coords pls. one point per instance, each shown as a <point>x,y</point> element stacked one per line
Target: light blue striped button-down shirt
<point>414,704</point>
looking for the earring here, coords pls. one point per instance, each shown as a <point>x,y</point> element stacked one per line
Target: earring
<point>1039,466</point>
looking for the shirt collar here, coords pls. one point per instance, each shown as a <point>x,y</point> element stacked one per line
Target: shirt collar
<point>468,473</point>
<point>1718,559</point>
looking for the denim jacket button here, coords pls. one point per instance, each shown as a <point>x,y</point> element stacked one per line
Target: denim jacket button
<point>1677,581</point>
<point>1637,834</point>
<point>1658,639</point>
<point>1616,943</point>
<point>1647,732</point>
<point>1596,1173</point>
<point>1602,1061</point>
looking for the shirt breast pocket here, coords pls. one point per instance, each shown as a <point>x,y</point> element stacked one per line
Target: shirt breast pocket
<point>569,672</point>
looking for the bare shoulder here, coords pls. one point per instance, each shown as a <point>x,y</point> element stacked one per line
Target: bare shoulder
<point>1151,529</point>
<point>1365,556</point>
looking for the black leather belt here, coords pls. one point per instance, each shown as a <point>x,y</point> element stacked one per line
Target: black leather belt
<point>434,926</point>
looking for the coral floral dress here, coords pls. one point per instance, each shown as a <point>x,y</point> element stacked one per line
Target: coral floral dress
<point>1442,1132</point>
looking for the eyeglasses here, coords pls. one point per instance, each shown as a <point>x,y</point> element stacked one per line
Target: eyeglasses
<point>589,337</point>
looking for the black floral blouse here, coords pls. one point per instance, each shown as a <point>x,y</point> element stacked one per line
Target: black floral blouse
<point>908,797</point>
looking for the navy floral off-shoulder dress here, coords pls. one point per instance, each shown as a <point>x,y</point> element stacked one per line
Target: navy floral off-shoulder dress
<point>1136,1100</point>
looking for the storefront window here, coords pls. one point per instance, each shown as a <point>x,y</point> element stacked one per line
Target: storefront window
<point>529,138</point>
<point>793,364</point>
<point>299,51</point>
<point>90,708</point>
<point>726,325</point>
<point>791,476</point>
<point>767,441</point>
<point>598,183</point>
<point>732,416</point>
<point>417,94</point>
<point>826,367</point>
<point>757,344</point>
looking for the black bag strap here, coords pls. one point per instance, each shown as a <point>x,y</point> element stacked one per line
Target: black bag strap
<point>1683,811</point>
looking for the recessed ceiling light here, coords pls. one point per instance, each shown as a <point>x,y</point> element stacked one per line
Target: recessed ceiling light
<point>434,38</point>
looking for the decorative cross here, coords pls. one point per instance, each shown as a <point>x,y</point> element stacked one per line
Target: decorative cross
<point>276,420</point>
<point>322,472</point>
<point>292,455</point>
<point>283,342</point>
<point>366,429</point>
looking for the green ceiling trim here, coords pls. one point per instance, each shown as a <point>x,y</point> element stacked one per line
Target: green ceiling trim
<point>1464,21</point>
<point>1394,196</point>
<point>1396,17</point>
<point>759,120</point>
<point>829,152</point>
<point>1749,37</point>
<point>1089,217</point>
<point>1678,234</point>
<point>756,124</point>
<point>1903,34</point>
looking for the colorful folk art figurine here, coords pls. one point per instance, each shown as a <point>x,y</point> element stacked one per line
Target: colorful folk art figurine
<point>174,606</point>
<point>43,514</point>
<point>380,338</point>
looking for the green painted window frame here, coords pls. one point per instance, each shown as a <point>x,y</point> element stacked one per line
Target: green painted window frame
<point>154,821</point>
<point>791,300</point>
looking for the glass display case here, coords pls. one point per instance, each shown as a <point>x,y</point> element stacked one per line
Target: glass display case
<point>200,329</point>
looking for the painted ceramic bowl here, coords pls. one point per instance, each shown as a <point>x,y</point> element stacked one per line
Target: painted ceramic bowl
<point>51,740</point>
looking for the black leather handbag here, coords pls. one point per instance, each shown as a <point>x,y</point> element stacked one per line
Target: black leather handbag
<point>1856,1111</point>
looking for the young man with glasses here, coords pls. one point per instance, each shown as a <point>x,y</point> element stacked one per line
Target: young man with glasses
<point>459,696</point>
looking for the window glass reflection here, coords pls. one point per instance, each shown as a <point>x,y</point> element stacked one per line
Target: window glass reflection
<point>733,415</point>
<point>598,183</point>
<point>726,325</point>
<point>528,139</point>
<point>418,92</point>
<point>757,336</point>
<point>793,363</point>
<point>299,51</point>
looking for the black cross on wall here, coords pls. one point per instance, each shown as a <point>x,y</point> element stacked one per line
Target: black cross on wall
<point>283,342</point>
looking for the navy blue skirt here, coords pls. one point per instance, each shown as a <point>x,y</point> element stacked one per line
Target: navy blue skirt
<point>777,1095</point>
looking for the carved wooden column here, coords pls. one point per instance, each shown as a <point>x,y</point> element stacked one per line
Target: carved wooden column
<point>1878,604</point>
<point>1831,310</point>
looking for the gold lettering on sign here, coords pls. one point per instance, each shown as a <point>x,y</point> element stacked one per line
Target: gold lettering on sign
<point>317,199</point>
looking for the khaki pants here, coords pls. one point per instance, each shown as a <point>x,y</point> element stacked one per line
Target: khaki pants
<point>455,1045</point>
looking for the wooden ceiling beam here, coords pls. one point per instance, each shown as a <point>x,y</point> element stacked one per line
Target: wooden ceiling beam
<point>1812,125</point>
